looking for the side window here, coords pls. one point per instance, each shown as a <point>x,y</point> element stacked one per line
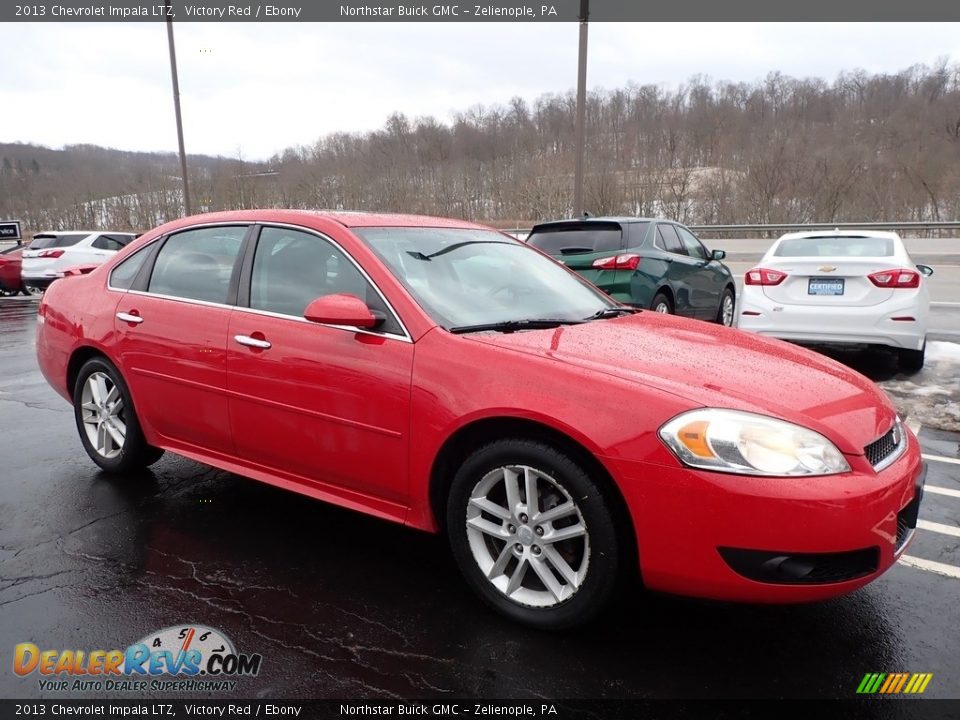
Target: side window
<point>106,242</point>
<point>197,264</point>
<point>694,247</point>
<point>292,268</point>
<point>125,273</point>
<point>671,241</point>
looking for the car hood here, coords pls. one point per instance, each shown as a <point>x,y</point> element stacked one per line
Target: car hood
<point>715,366</point>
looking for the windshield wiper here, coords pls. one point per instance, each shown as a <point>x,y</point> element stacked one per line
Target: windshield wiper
<point>613,312</point>
<point>509,326</point>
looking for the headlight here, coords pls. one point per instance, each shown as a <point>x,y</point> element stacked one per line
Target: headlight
<point>747,444</point>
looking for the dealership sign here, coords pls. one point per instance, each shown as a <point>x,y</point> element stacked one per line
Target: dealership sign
<point>10,230</point>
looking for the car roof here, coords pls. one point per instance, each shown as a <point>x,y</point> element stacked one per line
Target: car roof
<point>346,218</point>
<point>85,232</point>
<point>578,221</point>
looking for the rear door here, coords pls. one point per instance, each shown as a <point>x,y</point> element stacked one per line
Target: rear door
<point>172,334</point>
<point>580,245</point>
<point>681,269</point>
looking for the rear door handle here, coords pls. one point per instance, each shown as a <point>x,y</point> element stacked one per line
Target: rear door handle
<point>253,342</point>
<point>127,317</point>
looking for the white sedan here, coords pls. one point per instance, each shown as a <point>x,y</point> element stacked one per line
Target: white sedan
<point>845,287</point>
<point>50,253</point>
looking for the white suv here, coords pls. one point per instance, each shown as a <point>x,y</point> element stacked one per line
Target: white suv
<point>50,253</point>
<point>840,287</point>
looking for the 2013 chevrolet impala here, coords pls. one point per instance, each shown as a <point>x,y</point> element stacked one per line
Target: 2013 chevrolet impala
<point>442,375</point>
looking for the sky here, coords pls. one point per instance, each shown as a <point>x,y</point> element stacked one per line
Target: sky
<point>253,89</point>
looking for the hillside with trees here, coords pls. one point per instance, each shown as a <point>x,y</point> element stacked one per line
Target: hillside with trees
<point>861,148</point>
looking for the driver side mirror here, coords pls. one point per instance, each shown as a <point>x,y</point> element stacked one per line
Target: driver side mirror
<point>718,254</point>
<point>341,309</point>
<point>925,270</point>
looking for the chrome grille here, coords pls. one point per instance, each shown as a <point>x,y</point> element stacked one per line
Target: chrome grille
<point>883,450</point>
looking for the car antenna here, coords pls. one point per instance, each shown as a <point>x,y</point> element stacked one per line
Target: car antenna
<point>586,215</point>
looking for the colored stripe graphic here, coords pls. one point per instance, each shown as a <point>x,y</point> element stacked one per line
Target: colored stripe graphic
<point>894,683</point>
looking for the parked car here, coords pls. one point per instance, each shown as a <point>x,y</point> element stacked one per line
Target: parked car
<point>10,280</point>
<point>656,264</point>
<point>50,253</point>
<point>845,287</point>
<point>442,375</point>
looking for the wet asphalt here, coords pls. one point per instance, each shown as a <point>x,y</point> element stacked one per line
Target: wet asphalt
<point>345,606</point>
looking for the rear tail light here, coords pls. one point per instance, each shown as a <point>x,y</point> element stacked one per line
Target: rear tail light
<point>763,276</point>
<point>50,253</point>
<point>627,261</point>
<point>895,279</point>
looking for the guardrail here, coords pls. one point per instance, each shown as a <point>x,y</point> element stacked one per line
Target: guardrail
<point>756,228</point>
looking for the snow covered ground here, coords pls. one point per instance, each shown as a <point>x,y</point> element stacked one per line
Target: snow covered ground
<point>932,396</point>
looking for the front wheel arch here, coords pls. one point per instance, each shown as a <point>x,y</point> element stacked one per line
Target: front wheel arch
<point>469,438</point>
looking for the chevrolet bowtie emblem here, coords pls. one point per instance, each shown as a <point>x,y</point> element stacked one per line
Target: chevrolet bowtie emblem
<point>826,268</point>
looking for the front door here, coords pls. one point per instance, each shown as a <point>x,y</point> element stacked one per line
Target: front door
<point>328,404</point>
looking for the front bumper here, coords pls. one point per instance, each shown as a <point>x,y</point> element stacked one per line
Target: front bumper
<point>794,539</point>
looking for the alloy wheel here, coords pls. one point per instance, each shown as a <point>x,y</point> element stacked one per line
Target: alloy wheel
<point>102,414</point>
<point>528,536</point>
<point>727,310</point>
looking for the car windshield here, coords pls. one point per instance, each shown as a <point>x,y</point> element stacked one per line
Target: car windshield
<point>49,240</point>
<point>465,278</point>
<point>836,246</point>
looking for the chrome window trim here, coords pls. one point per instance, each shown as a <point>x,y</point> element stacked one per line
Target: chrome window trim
<point>298,318</point>
<point>406,333</point>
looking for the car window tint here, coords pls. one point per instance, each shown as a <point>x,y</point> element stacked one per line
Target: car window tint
<point>671,241</point>
<point>197,264</point>
<point>56,240</point>
<point>292,268</point>
<point>836,246</point>
<point>693,246</point>
<point>107,242</point>
<point>123,275</point>
<point>563,241</point>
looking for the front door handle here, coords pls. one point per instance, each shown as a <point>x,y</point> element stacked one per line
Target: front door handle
<point>127,317</point>
<point>253,342</point>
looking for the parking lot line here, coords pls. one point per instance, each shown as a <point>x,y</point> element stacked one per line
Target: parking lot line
<point>940,458</point>
<point>938,528</point>
<point>937,490</point>
<point>930,566</point>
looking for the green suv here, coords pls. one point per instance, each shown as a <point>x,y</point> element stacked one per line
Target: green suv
<point>656,264</point>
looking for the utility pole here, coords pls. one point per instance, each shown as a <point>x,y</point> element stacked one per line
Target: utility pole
<point>581,110</point>
<point>176,108</point>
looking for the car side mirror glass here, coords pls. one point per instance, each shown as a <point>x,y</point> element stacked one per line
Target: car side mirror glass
<point>718,254</point>
<point>341,309</point>
<point>925,270</point>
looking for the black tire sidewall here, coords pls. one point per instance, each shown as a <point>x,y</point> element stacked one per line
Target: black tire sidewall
<point>656,301</point>
<point>604,564</point>
<point>135,449</point>
<point>727,292</point>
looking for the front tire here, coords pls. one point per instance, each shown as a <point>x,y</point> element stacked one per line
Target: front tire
<point>727,307</point>
<point>107,421</point>
<point>911,361</point>
<point>533,534</point>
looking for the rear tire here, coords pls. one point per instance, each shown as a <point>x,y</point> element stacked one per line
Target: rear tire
<point>551,563</point>
<point>661,304</point>
<point>911,361</point>
<point>107,421</point>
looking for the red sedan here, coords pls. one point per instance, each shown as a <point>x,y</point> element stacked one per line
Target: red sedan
<point>10,264</point>
<point>442,375</point>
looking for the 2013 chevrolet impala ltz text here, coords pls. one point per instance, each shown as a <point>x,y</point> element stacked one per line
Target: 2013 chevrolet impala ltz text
<point>440,374</point>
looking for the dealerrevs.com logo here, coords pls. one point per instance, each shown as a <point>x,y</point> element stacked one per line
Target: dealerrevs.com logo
<point>182,657</point>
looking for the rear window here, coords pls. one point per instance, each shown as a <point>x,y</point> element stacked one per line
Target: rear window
<point>55,240</point>
<point>577,240</point>
<point>836,246</point>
